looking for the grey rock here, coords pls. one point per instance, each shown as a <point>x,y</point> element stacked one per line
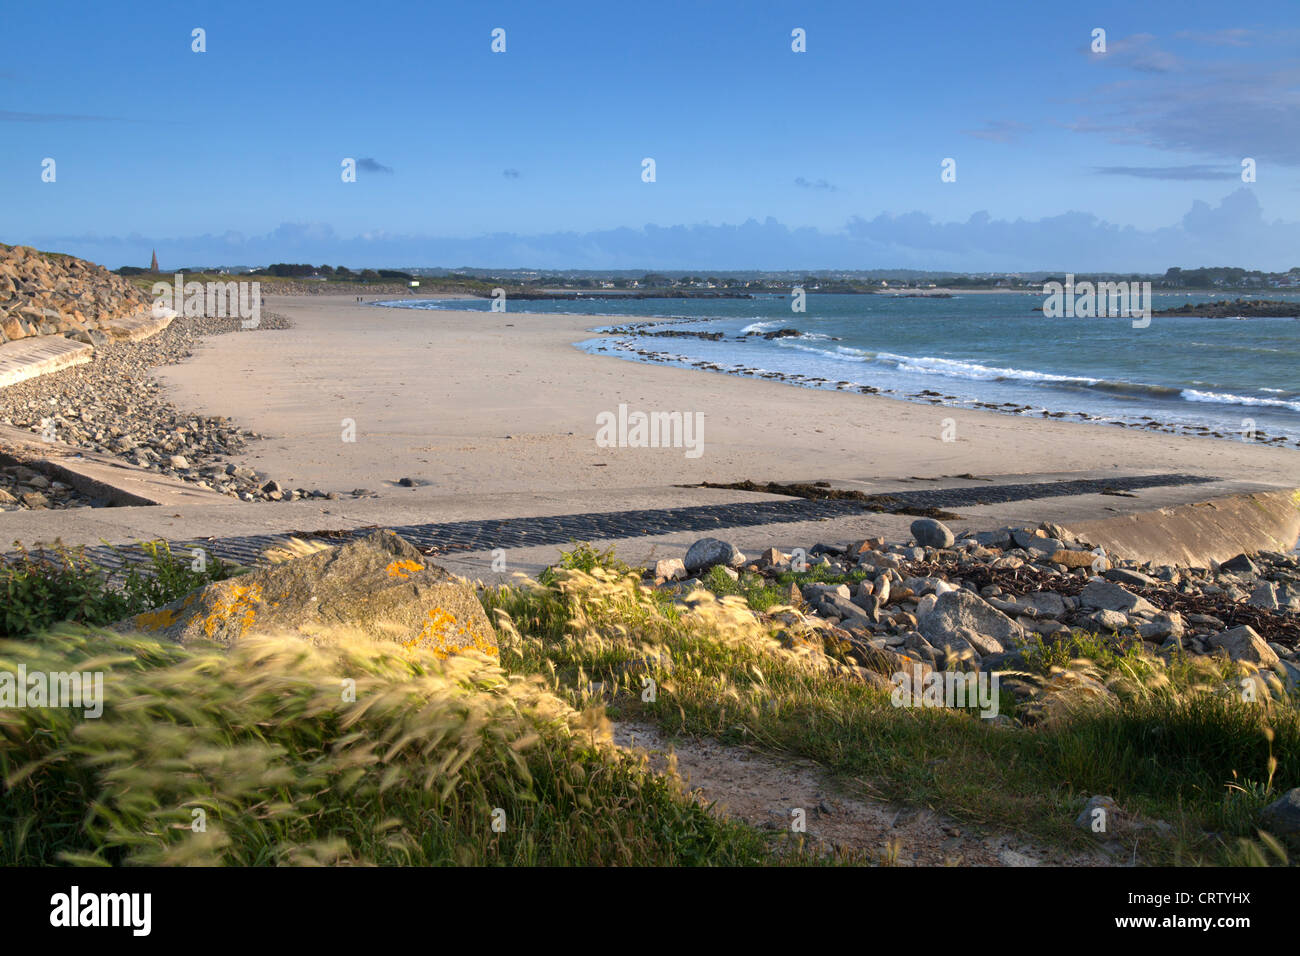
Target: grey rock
<point>1011,608</point>
<point>1046,603</point>
<point>1264,595</point>
<point>1162,627</point>
<point>1043,625</point>
<point>1107,596</point>
<point>91,337</point>
<point>1282,816</point>
<point>1110,621</point>
<point>1045,547</point>
<point>870,604</point>
<point>981,642</point>
<point>817,590</point>
<point>1022,536</point>
<point>880,560</point>
<point>930,533</point>
<point>1036,543</point>
<point>955,647</point>
<point>915,641</point>
<point>882,588</point>
<point>670,569</point>
<point>1241,564</point>
<point>351,586</point>
<point>1172,644</point>
<point>926,605</point>
<point>833,605</point>
<point>707,552</point>
<point>1292,674</point>
<point>1244,644</point>
<point>961,610</point>
<point>1099,816</point>
<point>993,539</point>
<point>1131,578</point>
<point>1012,660</point>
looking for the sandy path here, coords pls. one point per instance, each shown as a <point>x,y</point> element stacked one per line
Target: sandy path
<point>481,402</point>
<point>762,790</point>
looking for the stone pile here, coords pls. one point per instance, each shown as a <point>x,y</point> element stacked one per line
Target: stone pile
<point>45,294</point>
<point>113,406</point>
<point>976,600</point>
<point>22,488</point>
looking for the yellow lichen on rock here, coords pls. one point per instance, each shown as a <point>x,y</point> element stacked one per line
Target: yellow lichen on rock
<point>441,625</point>
<point>403,569</point>
<point>237,605</point>
<point>380,586</point>
<point>156,620</point>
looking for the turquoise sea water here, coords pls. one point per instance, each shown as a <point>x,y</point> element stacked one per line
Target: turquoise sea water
<point>1227,375</point>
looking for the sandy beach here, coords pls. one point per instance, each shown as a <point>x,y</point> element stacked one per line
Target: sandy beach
<point>480,403</point>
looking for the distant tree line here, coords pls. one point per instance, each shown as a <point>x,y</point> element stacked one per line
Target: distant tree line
<point>293,270</point>
<point>1223,276</point>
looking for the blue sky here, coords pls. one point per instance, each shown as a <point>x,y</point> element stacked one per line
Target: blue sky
<point>766,158</point>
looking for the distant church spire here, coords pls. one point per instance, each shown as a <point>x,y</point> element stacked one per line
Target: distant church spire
<point>153,267</point>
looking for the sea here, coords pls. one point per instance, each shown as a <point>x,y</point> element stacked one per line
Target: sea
<point>1237,378</point>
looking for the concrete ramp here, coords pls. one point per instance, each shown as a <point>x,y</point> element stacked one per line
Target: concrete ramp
<point>28,358</point>
<point>98,475</point>
<point>1196,534</point>
<point>142,325</point>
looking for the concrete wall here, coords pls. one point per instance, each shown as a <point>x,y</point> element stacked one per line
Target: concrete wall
<point>1197,534</point>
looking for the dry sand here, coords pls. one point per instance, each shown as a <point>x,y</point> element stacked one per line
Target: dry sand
<point>475,403</point>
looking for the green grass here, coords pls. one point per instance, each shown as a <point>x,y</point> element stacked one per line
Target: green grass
<point>758,594</point>
<point>287,770</point>
<point>1173,746</point>
<point>583,556</point>
<point>38,590</point>
<point>822,574</point>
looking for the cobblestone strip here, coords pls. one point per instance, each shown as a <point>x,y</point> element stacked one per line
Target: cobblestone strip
<point>464,536</point>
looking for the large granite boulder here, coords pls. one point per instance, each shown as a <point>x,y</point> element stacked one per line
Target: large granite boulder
<point>379,586</point>
<point>959,616</point>
<point>1244,644</point>
<point>707,552</point>
<point>930,533</point>
<point>1108,596</point>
